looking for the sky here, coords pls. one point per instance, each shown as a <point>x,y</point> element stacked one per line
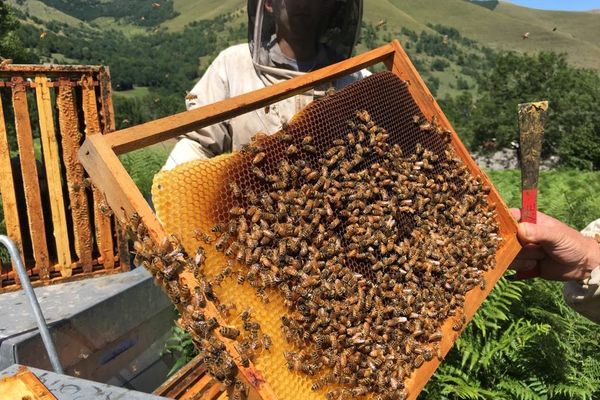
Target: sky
<point>573,5</point>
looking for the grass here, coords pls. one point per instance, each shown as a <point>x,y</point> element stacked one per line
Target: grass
<point>44,12</point>
<point>136,92</point>
<point>200,9</point>
<point>120,26</point>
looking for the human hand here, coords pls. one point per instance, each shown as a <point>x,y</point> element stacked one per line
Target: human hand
<point>554,249</point>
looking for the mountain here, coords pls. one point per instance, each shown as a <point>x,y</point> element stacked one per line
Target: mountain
<point>499,25</point>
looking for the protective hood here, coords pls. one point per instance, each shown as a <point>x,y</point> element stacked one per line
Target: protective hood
<point>337,35</point>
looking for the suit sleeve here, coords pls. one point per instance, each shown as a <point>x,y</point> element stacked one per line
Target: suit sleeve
<point>211,140</point>
<point>584,296</point>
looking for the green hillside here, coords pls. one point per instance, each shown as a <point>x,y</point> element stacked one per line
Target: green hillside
<point>502,27</point>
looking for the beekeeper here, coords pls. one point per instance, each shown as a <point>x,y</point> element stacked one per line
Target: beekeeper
<point>286,38</point>
<point>553,250</point>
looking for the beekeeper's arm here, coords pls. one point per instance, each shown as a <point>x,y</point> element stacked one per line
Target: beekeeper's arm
<point>211,140</point>
<point>562,253</point>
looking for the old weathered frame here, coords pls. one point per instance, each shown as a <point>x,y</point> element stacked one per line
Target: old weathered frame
<point>70,101</point>
<point>99,155</point>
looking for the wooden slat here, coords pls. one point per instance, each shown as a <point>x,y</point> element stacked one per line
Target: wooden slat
<point>223,396</point>
<point>47,69</point>
<point>156,131</point>
<point>108,126</point>
<point>214,391</point>
<point>53,175</point>
<point>69,130</point>
<point>121,193</point>
<point>199,388</point>
<point>108,114</point>
<point>180,381</point>
<point>104,237</point>
<point>7,188</point>
<point>31,185</point>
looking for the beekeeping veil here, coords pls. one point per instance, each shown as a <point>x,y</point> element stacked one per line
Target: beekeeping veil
<point>338,32</point>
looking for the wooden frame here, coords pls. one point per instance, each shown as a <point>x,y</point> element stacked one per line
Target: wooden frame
<point>69,240</point>
<point>99,157</point>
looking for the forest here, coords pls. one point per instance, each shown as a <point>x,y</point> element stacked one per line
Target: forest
<point>524,343</point>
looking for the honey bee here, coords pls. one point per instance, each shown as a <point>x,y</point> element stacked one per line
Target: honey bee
<point>221,241</point>
<point>292,150</point>
<point>198,299</point>
<point>259,173</point>
<point>258,158</point>
<point>229,332</point>
<point>207,289</point>
<point>203,236</point>
<point>226,272</point>
<point>240,391</point>
<point>267,342</point>
<point>199,257</point>
<point>309,148</point>
<point>235,190</point>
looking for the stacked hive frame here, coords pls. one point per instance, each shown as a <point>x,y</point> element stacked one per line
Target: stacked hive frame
<point>99,157</point>
<point>70,237</point>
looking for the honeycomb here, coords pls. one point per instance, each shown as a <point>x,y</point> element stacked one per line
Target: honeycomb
<point>194,197</point>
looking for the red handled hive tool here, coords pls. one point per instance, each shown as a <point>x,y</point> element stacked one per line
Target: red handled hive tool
<point>531,126</point>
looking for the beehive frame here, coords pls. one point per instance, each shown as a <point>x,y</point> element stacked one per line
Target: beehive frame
<point>63,102</point>
<point>99,156</point>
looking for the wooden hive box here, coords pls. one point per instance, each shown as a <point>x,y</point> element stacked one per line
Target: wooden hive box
<point>50,209</point>
<point>407,95</point>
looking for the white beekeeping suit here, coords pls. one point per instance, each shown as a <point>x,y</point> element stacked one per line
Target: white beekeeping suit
<point>247,67</point>
<point>584,297</point>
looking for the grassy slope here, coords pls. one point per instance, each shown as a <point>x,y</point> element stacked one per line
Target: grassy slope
<point>45,13</point>
<point>576,33</point>
<point>192,10</point>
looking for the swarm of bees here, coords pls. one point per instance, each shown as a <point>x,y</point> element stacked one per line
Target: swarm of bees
<point>371,247</point>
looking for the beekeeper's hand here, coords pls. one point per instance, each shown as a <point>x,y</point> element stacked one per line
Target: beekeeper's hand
<point>553,250</point>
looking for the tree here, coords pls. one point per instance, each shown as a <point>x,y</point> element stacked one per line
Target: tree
<point>10,45</point>
<point>573,123</point>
